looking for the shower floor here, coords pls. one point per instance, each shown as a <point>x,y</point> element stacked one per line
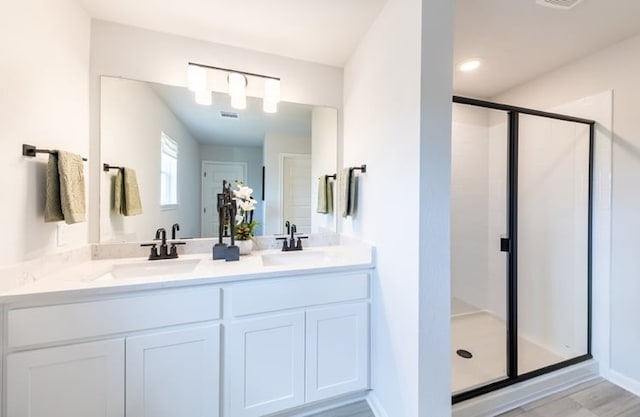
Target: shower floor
<point>484,335</point>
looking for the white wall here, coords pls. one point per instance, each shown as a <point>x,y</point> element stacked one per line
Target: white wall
<point>470,206</point>
<point>252,156</point>
<point>397,99</point>
<point>615,68</point>
<point>44,79</point>
<point>132,120</point>
<point>276,144</point>
<point>324,151</point>
<point>141,54</point>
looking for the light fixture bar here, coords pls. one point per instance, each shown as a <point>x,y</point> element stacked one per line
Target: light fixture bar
<point>251,74</point>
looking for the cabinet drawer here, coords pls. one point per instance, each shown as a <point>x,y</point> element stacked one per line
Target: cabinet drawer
<point>50,324</point>
<point>283,294</point>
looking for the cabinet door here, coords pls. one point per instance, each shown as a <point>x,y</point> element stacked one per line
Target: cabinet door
<point>266,365</point>
<point>337,351</point>
<point>174,373</point>
<point>83,380</point>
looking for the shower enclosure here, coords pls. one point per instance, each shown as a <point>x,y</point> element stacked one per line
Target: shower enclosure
<point>520,244</point>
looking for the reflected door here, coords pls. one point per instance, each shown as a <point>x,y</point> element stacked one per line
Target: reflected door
<point>213,173</point>
<point>296,192</point>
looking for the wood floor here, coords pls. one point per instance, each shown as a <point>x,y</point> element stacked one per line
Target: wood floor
<point>597,398</point>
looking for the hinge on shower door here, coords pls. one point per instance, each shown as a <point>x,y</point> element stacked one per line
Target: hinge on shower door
<point>505,244</point>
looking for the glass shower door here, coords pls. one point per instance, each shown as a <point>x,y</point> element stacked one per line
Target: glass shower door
<point>478,267</point>
<point>553,241</point>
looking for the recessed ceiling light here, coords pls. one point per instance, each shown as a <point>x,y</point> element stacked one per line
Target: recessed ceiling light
<point>469,65</point>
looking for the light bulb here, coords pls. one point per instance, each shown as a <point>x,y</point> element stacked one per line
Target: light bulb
<point>269,106</point>
<point>204,98</point>
<point>470,65</point>
<point>239,102</point>
<point>272,90</point>
<point>196,78</point>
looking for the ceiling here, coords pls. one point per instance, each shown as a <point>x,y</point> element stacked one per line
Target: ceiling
<point>325,32</point>
<point>517,39</point>
<point>207,126</point>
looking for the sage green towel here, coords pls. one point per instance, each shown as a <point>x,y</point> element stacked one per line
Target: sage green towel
<point>72,188</point>
<point>65,197</point>
<point>126,195</point>
<point>52,207</point>
<point>325,195</point>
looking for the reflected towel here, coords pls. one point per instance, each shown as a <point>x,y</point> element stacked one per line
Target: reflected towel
<point>65,196</point>
<point>347,191</point>
<point>325,195</point>
<point>126,195</point>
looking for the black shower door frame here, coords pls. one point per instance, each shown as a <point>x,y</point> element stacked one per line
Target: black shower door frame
<point>513,377</point>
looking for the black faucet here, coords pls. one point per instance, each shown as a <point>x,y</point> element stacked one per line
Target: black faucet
<point>164,252</point>
<point>174,229</point>
<point>292,245</point>
<point>287,224</point>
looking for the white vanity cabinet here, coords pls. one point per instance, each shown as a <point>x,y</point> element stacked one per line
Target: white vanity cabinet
<point>174,373</point>
<point>164,361</point>
<point>81,380</point>
<point>266,365</point>
<point>297,341</point>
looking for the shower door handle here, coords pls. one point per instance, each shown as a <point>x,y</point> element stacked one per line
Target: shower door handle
<point>505,244</point>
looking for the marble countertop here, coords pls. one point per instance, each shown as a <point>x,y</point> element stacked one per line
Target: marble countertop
<point>95,277</point>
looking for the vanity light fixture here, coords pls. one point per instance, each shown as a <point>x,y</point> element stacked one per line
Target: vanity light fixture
<point>470,65</point>
<point>238,84</point>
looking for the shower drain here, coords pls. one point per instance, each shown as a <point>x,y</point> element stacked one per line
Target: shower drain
<point>464,353</point>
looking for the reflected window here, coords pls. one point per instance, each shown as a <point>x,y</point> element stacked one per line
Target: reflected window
<point>168,171</point>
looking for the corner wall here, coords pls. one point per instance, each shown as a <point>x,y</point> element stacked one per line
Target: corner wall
<point>44,80</point>
<point>397,120</point>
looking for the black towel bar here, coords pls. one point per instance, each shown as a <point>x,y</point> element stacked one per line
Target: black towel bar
<point>362,168</point>
<point>107,167</point>
<point>30,150</point>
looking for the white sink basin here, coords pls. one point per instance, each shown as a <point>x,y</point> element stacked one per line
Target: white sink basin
<point>295,258</point>
<point>151,268</point>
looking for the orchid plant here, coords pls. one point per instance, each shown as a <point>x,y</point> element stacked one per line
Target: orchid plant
<point>244,217</point>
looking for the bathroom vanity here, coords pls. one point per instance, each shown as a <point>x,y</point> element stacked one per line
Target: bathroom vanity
<point>194,337</point>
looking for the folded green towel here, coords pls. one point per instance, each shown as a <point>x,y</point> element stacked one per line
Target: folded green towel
<point>126,195</point>
<point>65,196</point>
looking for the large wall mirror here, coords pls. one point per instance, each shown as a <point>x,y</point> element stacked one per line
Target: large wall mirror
<point>281,156</point>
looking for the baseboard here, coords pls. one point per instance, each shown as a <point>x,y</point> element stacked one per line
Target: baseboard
<point>514,396</point>
<point>375,406</point>
<point>630,384</point>
<point>322,406</point>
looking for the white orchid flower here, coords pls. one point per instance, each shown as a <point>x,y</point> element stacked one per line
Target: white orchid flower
<point>243,192</point>
<point>239,218</point>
